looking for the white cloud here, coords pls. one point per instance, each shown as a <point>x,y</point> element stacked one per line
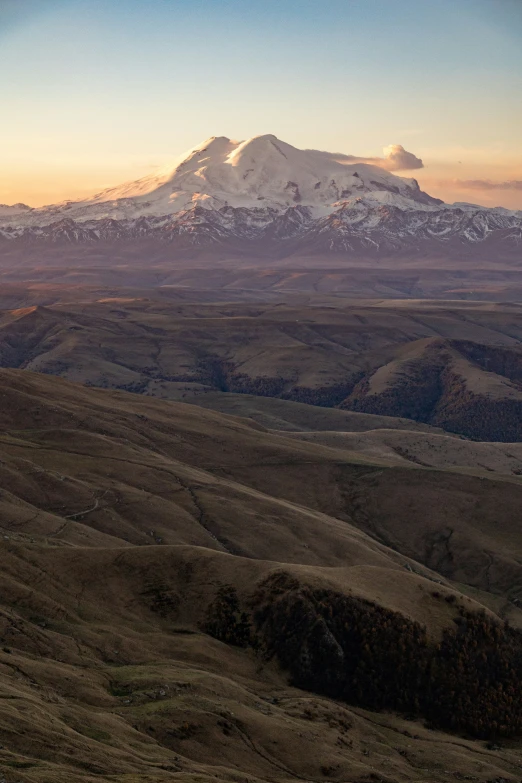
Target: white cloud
<point>396,158</point>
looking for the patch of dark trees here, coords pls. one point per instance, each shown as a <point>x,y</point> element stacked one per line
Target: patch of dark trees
<point>493,358</point>
<point>414,396</point>
<point>434,394</point>
<point>366,655</point>
<point>323,397</point>
<point>477,416</point>
<point>226,620</point>
<point>223,376</point>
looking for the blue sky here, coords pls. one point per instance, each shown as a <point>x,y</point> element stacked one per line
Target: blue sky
<point>98,91</point>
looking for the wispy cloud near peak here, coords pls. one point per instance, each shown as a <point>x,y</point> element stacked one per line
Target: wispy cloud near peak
<point>396,158</point>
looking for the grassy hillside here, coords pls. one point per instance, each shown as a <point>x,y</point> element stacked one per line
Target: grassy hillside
<point>454,367</point>
<point>290,416</point>
<point>106,674</point>
<point>127,521</point>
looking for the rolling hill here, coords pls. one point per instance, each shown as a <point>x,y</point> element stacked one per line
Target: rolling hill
<point>123,517</point>
<point>455,367</point>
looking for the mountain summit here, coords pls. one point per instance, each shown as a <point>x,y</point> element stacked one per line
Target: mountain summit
<point>267,194</point>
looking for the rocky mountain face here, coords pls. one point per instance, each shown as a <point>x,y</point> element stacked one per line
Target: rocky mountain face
<point>265,196</point>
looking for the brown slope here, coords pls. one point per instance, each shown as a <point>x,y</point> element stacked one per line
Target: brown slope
<point>430,449</point>
<point>307,354</point>
<point>114,462</point>
<point>104,667</point>
<point>290,416</point>
<point>106,674</point>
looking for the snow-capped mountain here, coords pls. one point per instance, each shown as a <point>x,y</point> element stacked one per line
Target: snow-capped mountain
<point>267,195</point>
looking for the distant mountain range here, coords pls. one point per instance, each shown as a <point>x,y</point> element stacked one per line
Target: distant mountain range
<point>266,197</point>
